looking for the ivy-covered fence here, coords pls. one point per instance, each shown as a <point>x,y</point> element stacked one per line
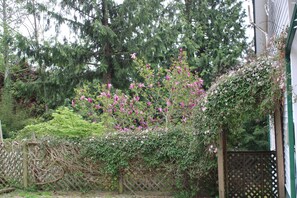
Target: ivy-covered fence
<point>133,163</point>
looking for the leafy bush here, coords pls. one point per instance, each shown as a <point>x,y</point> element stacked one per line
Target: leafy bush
<point>65,123</point>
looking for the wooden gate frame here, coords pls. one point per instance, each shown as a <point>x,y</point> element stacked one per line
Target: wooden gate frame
<point>222,153</point>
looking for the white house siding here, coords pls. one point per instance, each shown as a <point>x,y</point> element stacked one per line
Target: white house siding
<point>278,21</point>
<point>261,22</point>
<point>278,16</point>
<point>293,57</point>
<point>286,147</point>
<point>272,134</point>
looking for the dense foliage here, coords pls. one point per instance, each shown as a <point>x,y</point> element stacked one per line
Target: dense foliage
<point>249,92</point>
<point>179,151</point>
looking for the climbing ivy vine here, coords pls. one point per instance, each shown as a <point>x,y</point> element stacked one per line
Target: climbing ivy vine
<point>250,91</point>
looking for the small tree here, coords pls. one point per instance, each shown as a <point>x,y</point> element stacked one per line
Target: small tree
<point>165,97</point>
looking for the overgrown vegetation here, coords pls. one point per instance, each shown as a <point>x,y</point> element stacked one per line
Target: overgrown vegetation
<point>179,151</point>
<point>248,93</point>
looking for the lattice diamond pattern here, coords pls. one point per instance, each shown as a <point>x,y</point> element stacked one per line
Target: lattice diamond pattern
<point>139,179</point>
<point>251,174</point>
<point>10,165</point>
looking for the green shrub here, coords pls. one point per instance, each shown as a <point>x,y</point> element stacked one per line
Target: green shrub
<point>65,123</point>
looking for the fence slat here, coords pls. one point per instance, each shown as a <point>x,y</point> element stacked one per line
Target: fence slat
<point>25,165</point>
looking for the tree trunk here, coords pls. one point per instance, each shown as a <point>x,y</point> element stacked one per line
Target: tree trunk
<point>107,76</point>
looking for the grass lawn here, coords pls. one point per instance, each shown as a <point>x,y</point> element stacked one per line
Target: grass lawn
<point>71,194</point>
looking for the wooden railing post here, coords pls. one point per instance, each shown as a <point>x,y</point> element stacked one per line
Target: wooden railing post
<point>221,163</point>
<point>121,186</point>
<point>25,165</point>
<point>279,149</point>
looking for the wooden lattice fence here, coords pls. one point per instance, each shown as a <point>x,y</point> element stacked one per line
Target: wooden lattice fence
<point>60,167</point>
<point>251,174</point>
<point>139,179</point>
<point>11,165</point>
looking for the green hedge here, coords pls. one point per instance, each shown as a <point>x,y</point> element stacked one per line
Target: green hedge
<point>180,151</point>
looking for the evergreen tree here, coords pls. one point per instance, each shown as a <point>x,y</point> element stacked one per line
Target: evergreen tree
<point>11,16</point>
<point>105,34</point>
<point>214,36</point>
<point>211,31</point>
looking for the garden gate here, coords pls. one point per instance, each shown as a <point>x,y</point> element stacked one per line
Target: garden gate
<point>251,174</point>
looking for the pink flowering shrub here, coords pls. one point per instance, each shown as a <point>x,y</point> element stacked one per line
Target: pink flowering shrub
<point>165,97</point>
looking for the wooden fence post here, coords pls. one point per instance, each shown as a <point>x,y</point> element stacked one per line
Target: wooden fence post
<point>221,163</point>
<point>25,165</point>
<point>121,186</point>
<point>1,133</point>
<point>279,149</point>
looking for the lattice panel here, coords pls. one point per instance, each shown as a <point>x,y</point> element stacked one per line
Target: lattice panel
<point>11,164</point>
<point>251,174</point>
<point>139,179</point>
<point>56,168</point>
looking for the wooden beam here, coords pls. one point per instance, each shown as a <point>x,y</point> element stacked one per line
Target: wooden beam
<point>279,149</point>
<point>221,163</point>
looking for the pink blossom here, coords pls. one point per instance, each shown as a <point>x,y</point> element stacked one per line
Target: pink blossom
<point>103,94</point>
<point>148,66</point>
<point>167,77</point>
<point>168,103</point>
<point>90,100</point>
<point>108,95</point>
<point>192,105</point>
<point>116,97</point>
<point>139,127</point>
<point>73,103</point>
<point>132,85</point>
<point>109,86</point>
<point>117,127</point>
<point>126,129</point>
<point>97,106</point>
<point>136,98</point>
<point>82,97</point>
<point>184,119</point>
<point>160,109</point>
<point>133,56</point>
<point>182,104</point>
<point>140,85</point>
<point>149,103</point>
